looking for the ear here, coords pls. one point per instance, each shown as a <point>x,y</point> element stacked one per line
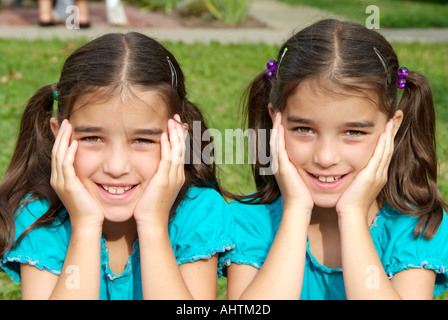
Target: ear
<point>271,111</point>
<point>398,119</point>
<point>54,125</point>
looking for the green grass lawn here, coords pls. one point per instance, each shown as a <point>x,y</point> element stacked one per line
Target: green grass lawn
<point>393,13</point>
<point>216,77</point>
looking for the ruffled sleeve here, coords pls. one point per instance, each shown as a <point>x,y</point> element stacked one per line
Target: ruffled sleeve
<point>255,229</point>
<point>392,233</point>
<point>201,227</point>
<point>43,247</point>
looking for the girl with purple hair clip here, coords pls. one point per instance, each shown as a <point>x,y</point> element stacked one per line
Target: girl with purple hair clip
<point>352,209</point>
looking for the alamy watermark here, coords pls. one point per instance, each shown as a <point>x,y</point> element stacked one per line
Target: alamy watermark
<point>373,20</point>
<point>73,280</point>
<point>229,148</point>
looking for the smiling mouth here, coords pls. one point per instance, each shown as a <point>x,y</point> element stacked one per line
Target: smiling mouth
<point>116,190</point>
<point>327,179</point>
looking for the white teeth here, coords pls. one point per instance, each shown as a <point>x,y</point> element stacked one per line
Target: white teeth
<point>116,190</point>
<point>328,179</point>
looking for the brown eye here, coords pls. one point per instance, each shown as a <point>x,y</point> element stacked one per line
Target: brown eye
<point>304,130</point>
<point>353,133</point>
<point>91,139</point>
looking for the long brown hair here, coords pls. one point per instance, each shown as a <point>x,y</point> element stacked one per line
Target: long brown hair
<point>101,67</point>
<point>357,59</point>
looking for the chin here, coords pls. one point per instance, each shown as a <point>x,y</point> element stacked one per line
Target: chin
<point>326,202</point>
<point>118,215</point>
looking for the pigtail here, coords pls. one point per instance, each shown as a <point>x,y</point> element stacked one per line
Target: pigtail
<point>30,168</point>
<point>256,115</point>
<point>414,165</point>
<point>198,173</point>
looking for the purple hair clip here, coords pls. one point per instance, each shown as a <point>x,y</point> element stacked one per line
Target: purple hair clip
<point>271,66</point>
<point>402,73</point>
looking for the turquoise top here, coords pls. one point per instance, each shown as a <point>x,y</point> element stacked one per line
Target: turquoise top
<point>392,234</point>
<point>199,229</point>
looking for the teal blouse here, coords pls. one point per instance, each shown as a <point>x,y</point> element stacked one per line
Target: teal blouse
<point>391,231</point>
<point>199,229</point>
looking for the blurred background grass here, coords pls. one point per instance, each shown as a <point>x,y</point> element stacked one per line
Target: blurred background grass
<point>393,13</point>
<point>216,77</point>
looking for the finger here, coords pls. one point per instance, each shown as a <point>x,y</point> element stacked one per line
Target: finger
<point>380,160</point>
<point>174,129</point>
<point>273,143</point>
<point>63,146</point>
<point>165,155</point>
<point>182,136</point>
<point>69,160</point>
<point>183,132</point>
<point>54,174</point>
<point>281,146</point>
<point>388,149</point>
<point>375,160</point>
<point>178,150</point>
<point>59,150</point>
<point>57,141</point>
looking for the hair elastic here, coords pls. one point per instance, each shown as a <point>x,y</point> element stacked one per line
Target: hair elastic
<point>402,74</point>
<point>55,92</point>
<point>272,66</point>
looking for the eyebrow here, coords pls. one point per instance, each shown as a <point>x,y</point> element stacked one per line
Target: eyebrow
<point>351,124</point>
<point>360,124</point>
<point>300,120</point>
<point>145,132</point>
<point>87,129</point>
<point>148,132</point>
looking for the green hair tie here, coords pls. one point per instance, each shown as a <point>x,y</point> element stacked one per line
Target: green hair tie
<point>55,91</point>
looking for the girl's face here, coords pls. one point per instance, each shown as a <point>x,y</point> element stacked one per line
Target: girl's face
<point>330,138</point>
<point>119,148</point>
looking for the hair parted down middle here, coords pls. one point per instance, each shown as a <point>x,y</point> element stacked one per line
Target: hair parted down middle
<point>106,66</point>
<point>344,54</point>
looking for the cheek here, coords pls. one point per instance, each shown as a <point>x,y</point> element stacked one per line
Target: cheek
<point>361,154</point>
<point>299,153</point>
<point>147,163</point>
<point>85,163</point>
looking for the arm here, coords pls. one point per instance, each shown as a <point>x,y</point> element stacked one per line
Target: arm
<point>162,278</point>
<point>364,275</point>
<point>79,278</point>
<point>281,276</point>
<point>80,274</point>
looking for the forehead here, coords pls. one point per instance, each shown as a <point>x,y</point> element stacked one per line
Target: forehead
<point>327,102</point>
<point>129,106</point>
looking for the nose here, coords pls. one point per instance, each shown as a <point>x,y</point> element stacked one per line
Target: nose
<point>326,153</point>
<point>116,162</point>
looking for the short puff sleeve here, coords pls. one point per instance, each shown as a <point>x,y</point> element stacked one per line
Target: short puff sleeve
<point>255,229</point>
<point>393,236</point>
<point>42,247</point>
<point>201,227</point>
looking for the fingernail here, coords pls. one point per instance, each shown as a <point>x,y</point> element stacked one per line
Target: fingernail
<point>391,124</point>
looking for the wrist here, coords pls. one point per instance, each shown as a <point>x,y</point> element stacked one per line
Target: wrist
<point>297,210</point>
<point>349,220</point>
<point>152,220</point>
<point>86,233</point>
<point>153,230</point>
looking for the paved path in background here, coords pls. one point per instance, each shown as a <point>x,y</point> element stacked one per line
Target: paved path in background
<point>281,20</point>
